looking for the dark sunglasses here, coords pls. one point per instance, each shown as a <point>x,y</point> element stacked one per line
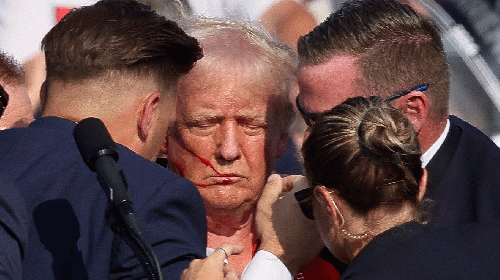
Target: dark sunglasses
<point>4,100</point>
<point>311,118</point>
<point>304,198</point>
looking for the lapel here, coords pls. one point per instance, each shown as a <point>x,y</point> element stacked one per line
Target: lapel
<point>440,162</point>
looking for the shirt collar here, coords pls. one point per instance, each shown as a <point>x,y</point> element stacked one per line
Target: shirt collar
<point>429,154</point>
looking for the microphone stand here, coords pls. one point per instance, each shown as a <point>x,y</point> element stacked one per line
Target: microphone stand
<point>124,223</point>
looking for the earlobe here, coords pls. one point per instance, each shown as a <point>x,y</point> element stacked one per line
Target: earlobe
<point>146,115</point>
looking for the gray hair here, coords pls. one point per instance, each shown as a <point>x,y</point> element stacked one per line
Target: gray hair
<point>251,45</point>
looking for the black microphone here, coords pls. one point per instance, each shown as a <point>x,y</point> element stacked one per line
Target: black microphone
<point>100,154</point>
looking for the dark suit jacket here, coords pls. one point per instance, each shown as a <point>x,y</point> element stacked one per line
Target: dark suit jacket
<point>464,177</point>
<point>68,232</point>
<point>412,251</point>
<point>13,230</point>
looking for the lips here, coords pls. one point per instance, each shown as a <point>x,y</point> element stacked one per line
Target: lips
<point>222,179</point>
<point>226,179</point>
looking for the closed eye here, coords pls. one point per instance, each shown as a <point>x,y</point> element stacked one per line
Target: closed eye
<point>202,127</point>
<point>252,127</point>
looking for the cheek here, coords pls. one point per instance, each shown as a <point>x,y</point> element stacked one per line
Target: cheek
<point>189,158</point>
<point>176,162</point>
<point>260,156</point>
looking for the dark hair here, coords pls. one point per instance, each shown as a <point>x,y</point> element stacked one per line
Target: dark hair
<point>367,151</point>
<point>10,71</point>
<point>121,36</point>
<point>394,47</point>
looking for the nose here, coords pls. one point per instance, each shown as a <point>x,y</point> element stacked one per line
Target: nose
<point>229,145</point>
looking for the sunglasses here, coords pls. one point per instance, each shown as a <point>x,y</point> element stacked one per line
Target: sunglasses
<point>304,198</point>
<point>311,118</point>
<point>4,100</point>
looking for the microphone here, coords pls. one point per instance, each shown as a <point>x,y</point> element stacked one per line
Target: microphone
<point>100,154</point>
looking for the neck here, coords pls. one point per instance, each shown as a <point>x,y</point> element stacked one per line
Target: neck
<point>230,228</point>
<point>430,132</point>
<point>375,223</point>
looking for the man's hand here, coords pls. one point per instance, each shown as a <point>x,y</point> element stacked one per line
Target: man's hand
<point>283,229</point>
<point>213,266</point>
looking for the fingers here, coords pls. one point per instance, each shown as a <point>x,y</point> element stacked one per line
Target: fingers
<point>295,182</point>
<point>226,250</point>
<point>271,191</point>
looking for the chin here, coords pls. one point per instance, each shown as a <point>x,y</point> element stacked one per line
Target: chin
<point>228,207</point>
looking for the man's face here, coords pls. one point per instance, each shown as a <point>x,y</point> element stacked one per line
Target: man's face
<point>326,85</point>
<point>226,137</point>
<point>18,112</point>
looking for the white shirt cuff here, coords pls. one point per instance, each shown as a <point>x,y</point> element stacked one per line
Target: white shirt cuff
<point>266,266</point>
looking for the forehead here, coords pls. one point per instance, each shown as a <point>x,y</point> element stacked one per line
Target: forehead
<point>227,87</point>
<point>326,85</point>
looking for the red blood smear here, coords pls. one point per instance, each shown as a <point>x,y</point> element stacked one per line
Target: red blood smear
<point>207,163</point>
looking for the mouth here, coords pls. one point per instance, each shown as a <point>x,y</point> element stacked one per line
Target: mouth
<point>222,179</point>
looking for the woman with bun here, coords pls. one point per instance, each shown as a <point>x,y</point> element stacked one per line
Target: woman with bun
<point>366,187</point>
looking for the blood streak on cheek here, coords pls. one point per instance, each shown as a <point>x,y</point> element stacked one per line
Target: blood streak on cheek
<point>209,164</point>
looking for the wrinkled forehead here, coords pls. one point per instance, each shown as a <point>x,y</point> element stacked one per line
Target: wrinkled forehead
<point>232,77</point>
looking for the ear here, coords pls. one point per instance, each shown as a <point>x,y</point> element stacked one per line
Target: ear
<point>415,105</point>
<point>327,202</point>
<point>146,115</point>
<point>422,186</point>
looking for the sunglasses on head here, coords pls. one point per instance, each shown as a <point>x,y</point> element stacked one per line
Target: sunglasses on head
<point>4,100</point>
<point>311,118</point>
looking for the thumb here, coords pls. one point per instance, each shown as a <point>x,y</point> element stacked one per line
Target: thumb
<point>272,190</point>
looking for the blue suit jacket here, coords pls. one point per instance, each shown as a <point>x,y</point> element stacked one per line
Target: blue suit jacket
<point>13,230</point>
<point>69,237</point>
<point>464,177</point>
<point>411,251</point>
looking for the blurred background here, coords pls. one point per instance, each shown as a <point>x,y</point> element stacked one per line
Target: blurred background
<point>470,31</point>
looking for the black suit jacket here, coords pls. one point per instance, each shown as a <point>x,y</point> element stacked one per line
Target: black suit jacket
<point>464,177</point>
<point>412,251</point>
<point>69,236</point>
